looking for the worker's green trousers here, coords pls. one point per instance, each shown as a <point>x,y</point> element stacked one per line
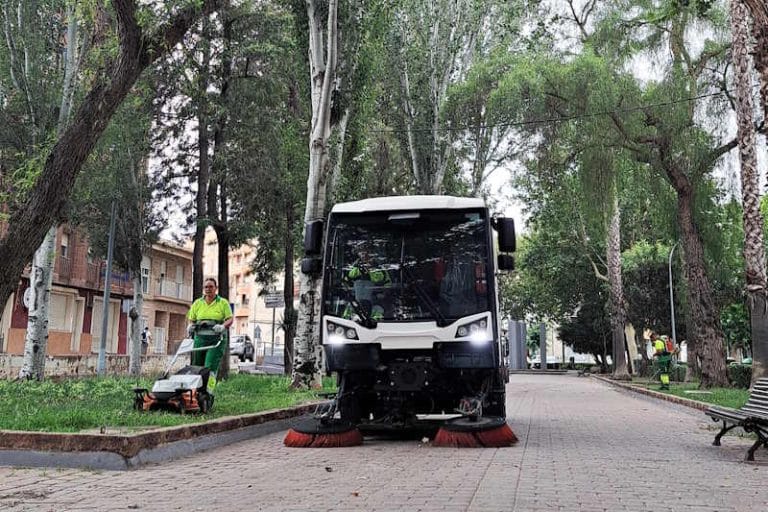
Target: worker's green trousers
<point>664,362</point>
<point>211,358</point>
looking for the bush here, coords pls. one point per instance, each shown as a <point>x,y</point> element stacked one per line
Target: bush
<point>740,375</point>
<point>677,372</point>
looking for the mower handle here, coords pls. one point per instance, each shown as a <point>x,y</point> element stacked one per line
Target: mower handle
<point>187,346</point>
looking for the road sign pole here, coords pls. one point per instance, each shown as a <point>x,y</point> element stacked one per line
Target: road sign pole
<point>272,351</point>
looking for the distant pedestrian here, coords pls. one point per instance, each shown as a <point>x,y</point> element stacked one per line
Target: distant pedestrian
<point>662,356</point>
<point>146,340</point>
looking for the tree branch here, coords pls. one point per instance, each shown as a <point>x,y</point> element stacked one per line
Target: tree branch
<point>43,205</point>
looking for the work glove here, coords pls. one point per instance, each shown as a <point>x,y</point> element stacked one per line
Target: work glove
<point>218,328</point>
<point>191,330</point>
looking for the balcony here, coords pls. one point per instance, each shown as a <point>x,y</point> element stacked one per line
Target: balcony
<point>64,267</point>
<point>174,290</point>
<point>92,274</point>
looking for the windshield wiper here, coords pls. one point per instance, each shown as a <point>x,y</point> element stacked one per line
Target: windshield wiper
<point>425,299</point>
<point>366,319</point>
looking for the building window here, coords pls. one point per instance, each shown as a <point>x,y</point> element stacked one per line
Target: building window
<point>64,251</point>
<point>144,280</point>
<point>61,312</point>
<point>146,264</point>
<point>112,325</point>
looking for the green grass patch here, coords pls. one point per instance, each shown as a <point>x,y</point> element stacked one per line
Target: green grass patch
<point>75,405</point>
<point>724,397</point>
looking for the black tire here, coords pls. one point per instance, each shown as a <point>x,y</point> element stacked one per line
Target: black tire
<point>138,404</point>
<point>497,405</point>
<point>242,359</point>
<point>205,403</point>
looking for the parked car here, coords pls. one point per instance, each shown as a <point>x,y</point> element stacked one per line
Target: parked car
<point>241,346</point>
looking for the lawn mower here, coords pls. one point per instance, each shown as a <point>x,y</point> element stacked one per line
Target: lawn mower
<point>185,390</point>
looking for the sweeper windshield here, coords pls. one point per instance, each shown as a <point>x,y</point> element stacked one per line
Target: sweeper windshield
<point>408,267</point>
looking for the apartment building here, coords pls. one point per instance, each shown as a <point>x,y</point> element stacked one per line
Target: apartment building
<point>166,281</point>
<point>77,304</point>
<point>76,310</point>
<point>252,316</point>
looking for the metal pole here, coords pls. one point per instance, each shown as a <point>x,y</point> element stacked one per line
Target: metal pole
<point>512,336</point>
<point>672,295</point>
<point>101,367</point>
<point>523,346</point>
<point>272,350</point>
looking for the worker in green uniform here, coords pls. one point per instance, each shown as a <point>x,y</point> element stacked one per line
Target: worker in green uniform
<point>663,359</point>
<point>367,275</point>
<point>214,308</point>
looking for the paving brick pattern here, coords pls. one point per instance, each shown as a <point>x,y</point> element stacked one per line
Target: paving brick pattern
<point>585,446</point>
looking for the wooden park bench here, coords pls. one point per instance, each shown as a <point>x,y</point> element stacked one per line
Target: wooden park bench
<point>752,417</point>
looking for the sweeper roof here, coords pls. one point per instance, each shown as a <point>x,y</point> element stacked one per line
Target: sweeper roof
<point>410,203</point>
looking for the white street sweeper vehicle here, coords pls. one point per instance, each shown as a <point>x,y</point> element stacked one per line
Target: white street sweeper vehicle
<point>409,316</point>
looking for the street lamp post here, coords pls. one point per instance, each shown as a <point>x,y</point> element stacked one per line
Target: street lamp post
<point>672,294</point>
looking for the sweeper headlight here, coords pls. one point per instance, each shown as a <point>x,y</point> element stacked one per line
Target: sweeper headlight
<point>339,334</point>
<point>477,331</point>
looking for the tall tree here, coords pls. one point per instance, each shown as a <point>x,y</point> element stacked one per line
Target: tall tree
<point>41,273</point>
<point>754,248</point>
<point>759,10</point>
<point>137,48</point>
<point>323,58</point>
<point>434,43</point>
<point>117,173</point>
<point>674,144</point>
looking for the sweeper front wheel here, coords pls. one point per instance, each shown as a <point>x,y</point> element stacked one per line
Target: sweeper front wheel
<point>483,432</point>
<point>315,433</point>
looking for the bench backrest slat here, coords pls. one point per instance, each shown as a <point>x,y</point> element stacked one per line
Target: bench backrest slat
<point>757,404</point>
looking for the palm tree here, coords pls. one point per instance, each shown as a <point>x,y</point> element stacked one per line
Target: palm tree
<point>759,10</point>
<point>754,250</point>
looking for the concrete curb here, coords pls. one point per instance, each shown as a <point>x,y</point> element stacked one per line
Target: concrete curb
<point>701,406</point>
<point>129,451</point>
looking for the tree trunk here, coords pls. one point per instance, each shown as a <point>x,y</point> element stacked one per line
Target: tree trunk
<point>754,249</point>
<point>338,153</point>
<point>289,313</point>
<point>45,202</point>
<point>761,62</point>
<point>759,11</point>
<point>705,337</point>
<point>202,200</point>
<point>41,276</point>
<point>40,280</point>
<point>222,236</point>
<point>618,313</point>
<point>307,360</point>
<point>134,358</point>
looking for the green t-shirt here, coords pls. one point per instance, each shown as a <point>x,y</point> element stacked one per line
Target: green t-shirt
<point>218,310</point>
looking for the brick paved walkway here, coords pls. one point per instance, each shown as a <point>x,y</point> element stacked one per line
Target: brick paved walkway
<point>585,446</point>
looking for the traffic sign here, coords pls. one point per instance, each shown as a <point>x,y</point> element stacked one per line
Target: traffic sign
<point>274,300</point>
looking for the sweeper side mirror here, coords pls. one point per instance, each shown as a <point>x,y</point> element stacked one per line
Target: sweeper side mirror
<point>313,238</point>
<point>505,262</point>
<point>313,248</point>
<point>506,230</point>
<point>311,266</point>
